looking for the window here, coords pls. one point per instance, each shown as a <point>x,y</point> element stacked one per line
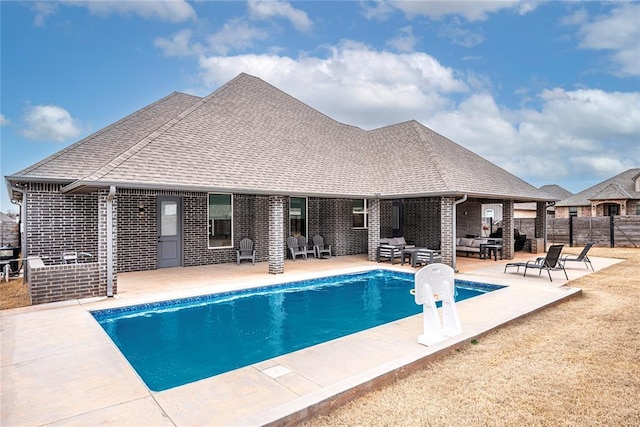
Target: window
<point>220,220</point>
<point>298,216</point>
<point>360,213</point>
<point>573,211</point>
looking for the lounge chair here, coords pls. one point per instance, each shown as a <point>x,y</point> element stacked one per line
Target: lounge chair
<point>320,247</point>
<point>246,251</point>
<point>549,263</point>
<point>294,248</point>
<point>580,258</point>
<point>303,244</point>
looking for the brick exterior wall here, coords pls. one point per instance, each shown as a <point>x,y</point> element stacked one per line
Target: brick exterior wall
<point>421,221</point>
<point>58,223</point>
<point>469,218</point>
<point>51,283</point>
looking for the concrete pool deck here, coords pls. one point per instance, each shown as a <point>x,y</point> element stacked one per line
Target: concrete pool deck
<point>59,367</point>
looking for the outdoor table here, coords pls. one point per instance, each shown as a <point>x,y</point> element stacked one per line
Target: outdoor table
<point>408,253</point>
<point>488,249</point>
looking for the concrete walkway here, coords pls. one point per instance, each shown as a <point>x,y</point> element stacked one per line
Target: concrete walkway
<point>59,367</point>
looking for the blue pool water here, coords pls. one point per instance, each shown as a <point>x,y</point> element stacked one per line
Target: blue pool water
<point>177,342</point>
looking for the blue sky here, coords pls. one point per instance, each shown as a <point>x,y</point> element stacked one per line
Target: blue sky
<point>549,91</point>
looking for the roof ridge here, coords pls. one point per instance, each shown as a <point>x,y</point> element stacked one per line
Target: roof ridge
<point>616,189</point>
<point>418,129</point>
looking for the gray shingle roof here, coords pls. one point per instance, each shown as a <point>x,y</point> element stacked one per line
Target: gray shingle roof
<point>250,137</point>
<point>553,190</point>
<point>621,186</point>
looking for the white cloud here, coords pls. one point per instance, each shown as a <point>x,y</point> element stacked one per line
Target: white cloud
<point>179,44</point>
<point>405,42</point>
<point>4,121</point>
<point>163,10</point>
<point>270,9</point>
<point>49,123</point>
<point>235,35</point>
<point>454,31</point>
<point>388,89</point>
<point>617,32</point>
<point>470,10</point>
<point>571,131</point>
<point>42,10</point>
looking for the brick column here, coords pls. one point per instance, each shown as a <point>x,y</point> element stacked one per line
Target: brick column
<point>507,230</point>
<point>276,234</point>
<point>446,229</point>
<point>541,221</point>
<point>102,242</point>
<point>374,228</point>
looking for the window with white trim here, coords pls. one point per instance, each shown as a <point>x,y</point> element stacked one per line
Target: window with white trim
<point>220,220</point>
<point>360,213</point>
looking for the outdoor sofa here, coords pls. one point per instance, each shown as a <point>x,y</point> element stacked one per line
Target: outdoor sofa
<point>391,248</point>
<point>473,245</point>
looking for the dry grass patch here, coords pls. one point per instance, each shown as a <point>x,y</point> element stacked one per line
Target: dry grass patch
<point>14,294</point>
<point>575,364</point>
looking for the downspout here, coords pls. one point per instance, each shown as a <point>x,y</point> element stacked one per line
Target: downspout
<point>110,196</point>
<point>23,223</point>
<point>455,209</point>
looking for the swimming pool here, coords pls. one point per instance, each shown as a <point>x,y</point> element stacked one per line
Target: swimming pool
<point>176,342</point>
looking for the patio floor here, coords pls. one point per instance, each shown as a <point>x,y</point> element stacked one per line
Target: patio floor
<point>59,367</point>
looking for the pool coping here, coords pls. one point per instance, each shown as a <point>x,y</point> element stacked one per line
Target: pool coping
<point>58,349</point>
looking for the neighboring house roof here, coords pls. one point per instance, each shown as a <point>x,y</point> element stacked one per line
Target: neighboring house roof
<point>619,187</point>
<point>4,218</point>
<point>250,137</point>
<point>553,190</point>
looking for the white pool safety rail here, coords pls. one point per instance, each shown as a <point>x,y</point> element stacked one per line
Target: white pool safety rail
<point>435,282</point>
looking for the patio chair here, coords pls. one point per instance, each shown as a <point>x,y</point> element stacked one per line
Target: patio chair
<point>74,257</point>
<point>303,244</point>
<point>580,258</point>
<point>550,263</point>
<point>320,247</point>
<point>246,251</point>
<point>388,251</point>
<point>294,248</point>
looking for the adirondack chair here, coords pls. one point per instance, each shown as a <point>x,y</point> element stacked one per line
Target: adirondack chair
<point>246,251</point>
<point>294,248</point>
<point>303,244</point>
<point>319,246</point>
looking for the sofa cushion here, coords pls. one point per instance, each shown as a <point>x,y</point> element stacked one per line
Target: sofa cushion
<point>465,242</point>
<point>477,242</point>
<point>401,241</point>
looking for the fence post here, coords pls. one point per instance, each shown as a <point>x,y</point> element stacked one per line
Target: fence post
<point>570,231</point>
<point>612,243</point>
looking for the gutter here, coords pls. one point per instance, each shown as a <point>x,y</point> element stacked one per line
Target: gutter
<point>23,218</point>
<point>110,196</point>
<point>455,209</point>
